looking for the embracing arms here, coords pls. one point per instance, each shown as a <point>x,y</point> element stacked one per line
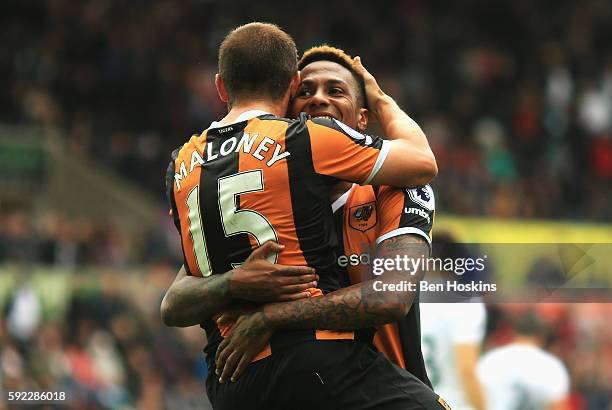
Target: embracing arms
<point>353,307</point>
<point>191,300</point>
<point>409,140</point>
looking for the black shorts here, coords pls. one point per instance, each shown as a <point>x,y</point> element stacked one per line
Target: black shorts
<point>323,375</point>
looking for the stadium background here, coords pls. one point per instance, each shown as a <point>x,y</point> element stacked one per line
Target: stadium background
<point>514,96</point>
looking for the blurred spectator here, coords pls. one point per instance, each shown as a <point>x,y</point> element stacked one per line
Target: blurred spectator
<point>24,315</point>
<point>103,351</point>
<point>522,374</point>
<point>52,239</point>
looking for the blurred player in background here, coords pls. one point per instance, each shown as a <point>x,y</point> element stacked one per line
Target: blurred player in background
<point>452,335</point>
<point>522,375</point>
<point>261,197</point>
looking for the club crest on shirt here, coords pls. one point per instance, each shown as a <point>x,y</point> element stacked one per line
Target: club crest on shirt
<point>363,217</point>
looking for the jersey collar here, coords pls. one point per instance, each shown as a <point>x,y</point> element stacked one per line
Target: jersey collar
<point>245,116</point>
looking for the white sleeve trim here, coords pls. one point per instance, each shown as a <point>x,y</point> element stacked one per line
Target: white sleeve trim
<point>339,203</point>
<point>382,156</point>
<point>404,231</point>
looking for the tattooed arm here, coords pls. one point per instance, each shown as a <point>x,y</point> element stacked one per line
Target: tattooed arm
<point>353,307</point>
<point>191,300</point>
<point>178,307</point>
<point>359,305</point>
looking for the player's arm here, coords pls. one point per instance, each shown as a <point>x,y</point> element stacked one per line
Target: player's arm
<point>466,358</point>
<point>409,143</point>
<point>402,235</point>
<point>343,153</point>
<point>466,337</point>
<point>396,124</point>
<point>182,304</point>
<point>358,306</point>
<point>406,219</point>
<point>191,300</point>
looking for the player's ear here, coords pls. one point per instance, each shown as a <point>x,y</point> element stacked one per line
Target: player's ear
<point>294,86</point>
<point>362,119</point>
<point>221,90</point>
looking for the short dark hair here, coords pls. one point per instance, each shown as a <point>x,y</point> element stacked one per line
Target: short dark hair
<point>257,59</point>
<point>338,56</point>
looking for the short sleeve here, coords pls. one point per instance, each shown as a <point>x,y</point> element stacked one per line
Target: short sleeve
<point>341,152</point>
<point>169,179</point>
<point>405,211</point>
<point>469,323</point>
<point>557,381</point>
<point>174,213</point>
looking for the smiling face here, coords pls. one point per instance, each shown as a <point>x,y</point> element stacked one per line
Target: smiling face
<point>330,90</point>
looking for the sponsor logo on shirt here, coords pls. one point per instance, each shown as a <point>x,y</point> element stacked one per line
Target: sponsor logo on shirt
<point>419,212</point>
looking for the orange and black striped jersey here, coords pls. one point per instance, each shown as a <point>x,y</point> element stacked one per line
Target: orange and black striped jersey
<point>266,178</point>
<point>234,187</point>
<point>365,216</point>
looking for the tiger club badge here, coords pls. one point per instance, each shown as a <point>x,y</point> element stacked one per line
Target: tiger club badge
<point>363,217</point>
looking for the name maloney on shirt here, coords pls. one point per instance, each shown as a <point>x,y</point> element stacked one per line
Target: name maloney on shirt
<point>246,143</point>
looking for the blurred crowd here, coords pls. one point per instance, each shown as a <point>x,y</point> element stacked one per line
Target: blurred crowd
<point>56,240</point>
<point>577,334</point>
<point>515,96</point>
<point>104,348</point>
<point>107,349</point>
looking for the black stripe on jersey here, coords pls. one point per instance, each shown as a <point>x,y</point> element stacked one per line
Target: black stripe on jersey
<point>365,335</point>
<point>344,279</point>
<point>409,330</point>
<point>311,207</point>
<point>423,219</point>
<point>376,189</point>
<point>222,250</point>
<point>172,202</point>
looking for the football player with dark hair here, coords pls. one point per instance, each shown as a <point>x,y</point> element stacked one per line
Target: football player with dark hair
<point>395,221</point>
<point>255,177</point>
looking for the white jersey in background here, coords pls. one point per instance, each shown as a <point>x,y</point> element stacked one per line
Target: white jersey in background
<point>521,376</point>
<point>444,326</point>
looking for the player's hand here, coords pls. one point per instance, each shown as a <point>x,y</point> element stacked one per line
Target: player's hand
<point>258,280</point>
<point>247,338</point>
<point>373,91</point>
<point>231,313</point>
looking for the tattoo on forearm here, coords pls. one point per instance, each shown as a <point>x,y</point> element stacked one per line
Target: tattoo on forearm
<point>357,306</point>
<point>194,300</point>
<point>404,244</point>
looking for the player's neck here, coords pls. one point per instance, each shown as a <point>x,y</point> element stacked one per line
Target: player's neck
<point>238,108</point>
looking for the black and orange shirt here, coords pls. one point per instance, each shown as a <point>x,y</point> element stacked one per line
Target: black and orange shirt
<point>364,217</point>
<point>234,187</point>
